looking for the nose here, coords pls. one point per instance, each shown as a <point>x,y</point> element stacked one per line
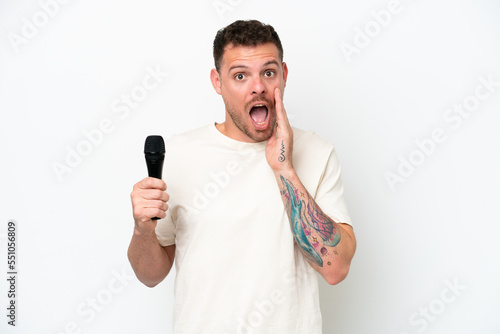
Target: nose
<point>258,86</point>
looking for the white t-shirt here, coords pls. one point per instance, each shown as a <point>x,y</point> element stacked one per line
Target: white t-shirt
<point>238,268</point>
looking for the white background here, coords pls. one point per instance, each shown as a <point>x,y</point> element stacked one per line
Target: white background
<point>438,227</point>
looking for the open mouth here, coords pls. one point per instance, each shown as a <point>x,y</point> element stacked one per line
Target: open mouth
<point>259,114</point>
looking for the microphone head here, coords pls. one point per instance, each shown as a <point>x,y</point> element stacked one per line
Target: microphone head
<point>154,145</point>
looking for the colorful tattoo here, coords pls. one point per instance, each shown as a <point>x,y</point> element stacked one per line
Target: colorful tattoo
<point>323,225</point>
<point>295,213</point>
<point>303,221</point>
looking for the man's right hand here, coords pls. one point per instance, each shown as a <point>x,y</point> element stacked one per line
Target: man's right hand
<point>149,200</point>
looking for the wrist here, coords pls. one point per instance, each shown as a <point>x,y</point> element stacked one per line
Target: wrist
<point>288,172</point>
<point>143,232</point>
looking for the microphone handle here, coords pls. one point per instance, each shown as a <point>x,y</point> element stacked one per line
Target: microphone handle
<point>155,168</point>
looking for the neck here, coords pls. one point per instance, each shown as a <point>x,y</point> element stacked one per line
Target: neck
<point>235,134</point>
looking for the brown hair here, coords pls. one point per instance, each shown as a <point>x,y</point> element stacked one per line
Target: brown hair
<point>245,33</point>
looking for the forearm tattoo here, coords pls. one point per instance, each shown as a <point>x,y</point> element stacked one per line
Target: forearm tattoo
<point>308,221</point>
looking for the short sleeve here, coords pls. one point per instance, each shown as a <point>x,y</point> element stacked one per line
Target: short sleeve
<point>330,192</point>
<point>165,230</point>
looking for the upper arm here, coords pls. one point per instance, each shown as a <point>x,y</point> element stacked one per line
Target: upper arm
<point>170,250</point>
<point>350,232</point>
<point>348,229</point>
<point>329,195</point>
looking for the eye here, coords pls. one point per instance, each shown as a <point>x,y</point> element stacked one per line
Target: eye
<point>239,76</point>
<point>269,73</point>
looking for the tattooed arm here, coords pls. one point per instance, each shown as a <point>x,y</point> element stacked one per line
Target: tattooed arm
<point>328,246</point>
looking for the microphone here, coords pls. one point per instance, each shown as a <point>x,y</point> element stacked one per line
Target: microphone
<point>154,151</point>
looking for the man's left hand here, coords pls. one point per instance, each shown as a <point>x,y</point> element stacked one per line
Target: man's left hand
<point>280,145</point>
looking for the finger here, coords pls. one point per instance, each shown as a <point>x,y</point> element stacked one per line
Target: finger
<point>154,212</point>
<point>278,102</point>
<point>149,208</point>
<point>274,134</point>
<point>156,204</point>
<point>152,183</point>
<point>283,111</point>
<point>154,194</point>
<point>282,122</point>
<point>143,215</point>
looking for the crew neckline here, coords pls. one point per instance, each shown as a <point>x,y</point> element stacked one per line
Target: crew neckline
<point>259,146</point>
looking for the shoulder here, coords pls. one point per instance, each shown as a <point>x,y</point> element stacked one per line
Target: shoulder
<point>188,137</point>
<point>311,157</point>
<point>189,141</point>
<point>309,141</point>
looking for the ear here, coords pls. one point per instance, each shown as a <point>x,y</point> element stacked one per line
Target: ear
<point>285,73</point>
<point>216,80</point>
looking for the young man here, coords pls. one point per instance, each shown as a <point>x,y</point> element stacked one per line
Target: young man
<point>255,208</point>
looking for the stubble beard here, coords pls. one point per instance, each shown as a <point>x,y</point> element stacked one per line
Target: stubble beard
<point>255,135</point>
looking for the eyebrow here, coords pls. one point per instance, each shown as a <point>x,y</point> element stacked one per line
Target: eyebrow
<point>237,66</point>
<point>271,62</point>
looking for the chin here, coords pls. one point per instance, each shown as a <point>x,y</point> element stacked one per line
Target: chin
<point>260,135</point>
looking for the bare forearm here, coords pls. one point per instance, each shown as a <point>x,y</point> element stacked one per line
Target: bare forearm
<point>327,245</point>
<point>149,260</point>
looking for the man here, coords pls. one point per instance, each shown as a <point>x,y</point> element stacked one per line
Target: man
<point>256,207</point>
